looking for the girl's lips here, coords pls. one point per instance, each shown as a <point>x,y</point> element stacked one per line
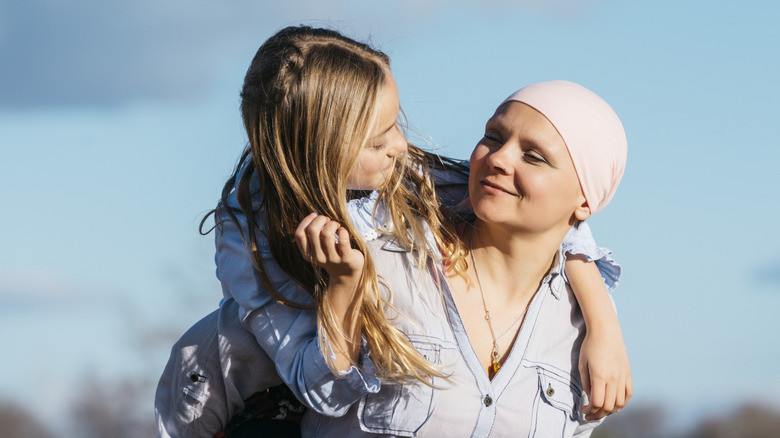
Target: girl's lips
<point>495,187</point>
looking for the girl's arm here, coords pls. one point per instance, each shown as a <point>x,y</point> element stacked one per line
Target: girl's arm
<point>604,367</point>
<point>288,335</point>
<point>326,243</point>
<point>603,362</point>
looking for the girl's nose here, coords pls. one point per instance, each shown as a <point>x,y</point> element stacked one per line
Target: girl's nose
<point>397,143</point>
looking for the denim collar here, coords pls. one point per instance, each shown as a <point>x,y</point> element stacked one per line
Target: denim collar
<point>368,222</point>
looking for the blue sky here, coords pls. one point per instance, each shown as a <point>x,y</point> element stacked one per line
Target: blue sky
<point>119,124</point>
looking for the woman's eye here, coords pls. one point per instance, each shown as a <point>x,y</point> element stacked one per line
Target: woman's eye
<point>378,147</point>
<point>491,137</point>
<point>534,157</point>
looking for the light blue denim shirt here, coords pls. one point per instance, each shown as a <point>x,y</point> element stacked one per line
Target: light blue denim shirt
<point>536,393</point>
<point>289,336</point>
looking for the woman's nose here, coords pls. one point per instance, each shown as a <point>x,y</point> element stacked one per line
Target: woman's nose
<point>500,159</point>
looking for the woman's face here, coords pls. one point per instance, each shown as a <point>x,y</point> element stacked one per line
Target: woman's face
<point>522,174</point>
<point>375,162</point>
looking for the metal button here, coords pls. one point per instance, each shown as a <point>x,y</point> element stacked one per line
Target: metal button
<point>550,391</point>
<point>488,401</point>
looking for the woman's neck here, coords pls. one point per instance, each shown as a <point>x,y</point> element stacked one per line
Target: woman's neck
<point>512,260</point>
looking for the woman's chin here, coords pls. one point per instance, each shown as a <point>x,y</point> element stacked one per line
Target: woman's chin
<point>492,215</point>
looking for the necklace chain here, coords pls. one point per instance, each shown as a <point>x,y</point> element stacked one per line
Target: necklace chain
<point>495,355</point>
<point>511,326</point>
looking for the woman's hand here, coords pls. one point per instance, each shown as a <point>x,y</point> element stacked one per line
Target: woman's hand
<point>605,371</point>
<point>325,242</point>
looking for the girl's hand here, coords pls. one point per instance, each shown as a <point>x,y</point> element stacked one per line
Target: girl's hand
<point>605,372</point>
<point>604,368</point>
<point>317,240</point>
<point>326,243</point>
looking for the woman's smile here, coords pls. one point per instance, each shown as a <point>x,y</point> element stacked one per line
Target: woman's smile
<point>493,187</point>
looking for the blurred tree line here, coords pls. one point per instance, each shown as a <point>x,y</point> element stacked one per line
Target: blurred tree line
<point>124,411</point>
<point>746,421</point>
<point>122,406</point>
<point>102,410</point>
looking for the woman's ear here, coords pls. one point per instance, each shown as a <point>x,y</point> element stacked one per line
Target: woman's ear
<point>582,212</point>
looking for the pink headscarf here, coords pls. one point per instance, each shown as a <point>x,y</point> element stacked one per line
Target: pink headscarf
<point>592,133</point>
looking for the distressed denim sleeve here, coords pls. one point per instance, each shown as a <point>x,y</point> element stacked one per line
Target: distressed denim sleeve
<point>452,185</point>
<point>579,240</point>
<point>288,336</point>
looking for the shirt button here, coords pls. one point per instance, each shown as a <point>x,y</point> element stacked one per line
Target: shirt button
<point>550,391</point>
<point>488,401</point>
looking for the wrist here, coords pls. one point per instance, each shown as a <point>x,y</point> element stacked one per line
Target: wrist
<point>600,327</point>
<point>344,279</point>
<point>343,294</point>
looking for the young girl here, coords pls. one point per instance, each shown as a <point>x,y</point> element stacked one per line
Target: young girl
<point>320,112</point>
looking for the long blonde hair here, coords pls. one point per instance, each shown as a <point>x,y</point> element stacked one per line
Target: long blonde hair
<point>309,99</point>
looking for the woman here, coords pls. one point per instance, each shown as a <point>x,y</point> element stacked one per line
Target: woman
<point>552,155</point>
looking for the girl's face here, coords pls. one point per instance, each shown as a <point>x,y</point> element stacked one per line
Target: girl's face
<point>522,174</point>
<point>375,162</point>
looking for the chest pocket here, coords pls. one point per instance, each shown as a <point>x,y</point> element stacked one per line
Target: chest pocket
<point>556,405</point>
<point>401,408</point>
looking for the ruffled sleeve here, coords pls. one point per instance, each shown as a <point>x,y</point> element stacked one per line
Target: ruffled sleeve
<point>579,240</point>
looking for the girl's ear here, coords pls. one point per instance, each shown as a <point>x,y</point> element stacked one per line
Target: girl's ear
<point>582,212</point>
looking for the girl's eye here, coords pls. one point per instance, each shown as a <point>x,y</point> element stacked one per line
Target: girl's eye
<point>378,147</point>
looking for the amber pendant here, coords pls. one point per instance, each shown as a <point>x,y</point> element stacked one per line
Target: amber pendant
<point>494,358</point>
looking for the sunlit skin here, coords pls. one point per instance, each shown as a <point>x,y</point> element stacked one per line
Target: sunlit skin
<point>386,141</point>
